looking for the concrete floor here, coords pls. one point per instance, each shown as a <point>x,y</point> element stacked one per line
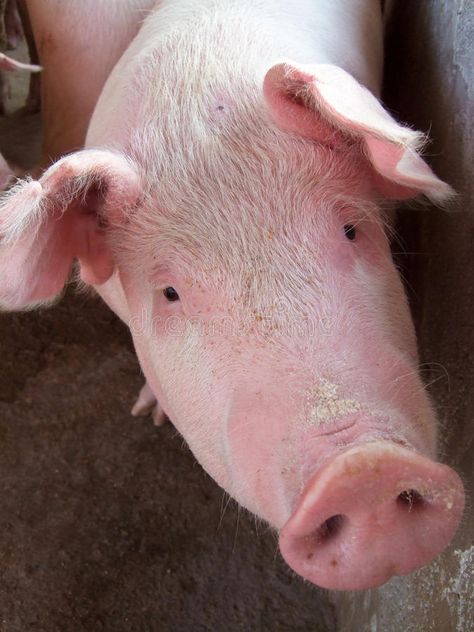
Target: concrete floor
<point>107,523</point>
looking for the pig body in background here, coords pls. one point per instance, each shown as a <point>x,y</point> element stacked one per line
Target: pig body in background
<point>228,207</point>
<point>10,25</point>
<point>10,35</point>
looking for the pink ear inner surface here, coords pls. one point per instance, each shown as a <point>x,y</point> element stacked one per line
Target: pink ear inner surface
<point>45,225</point>
<point>326,104</point>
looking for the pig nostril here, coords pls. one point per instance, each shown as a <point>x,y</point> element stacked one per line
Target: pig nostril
<point>331,527</point>
<point>410,498</point>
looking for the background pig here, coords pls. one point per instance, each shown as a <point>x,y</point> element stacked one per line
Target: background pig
<point>10,34</point>
<point>240,203</point>
<point>10,25</point>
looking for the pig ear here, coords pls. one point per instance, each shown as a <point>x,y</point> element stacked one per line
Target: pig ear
<point>46,224</point>
<point>327,104</point>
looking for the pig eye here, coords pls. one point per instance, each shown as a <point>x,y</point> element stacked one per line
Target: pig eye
<point>171,294</point>
<point>350,231</point>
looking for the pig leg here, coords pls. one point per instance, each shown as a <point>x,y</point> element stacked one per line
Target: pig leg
<point>78,44</point>
<point>9,64</point>
<point>147,403</point>
<point>11,33</point>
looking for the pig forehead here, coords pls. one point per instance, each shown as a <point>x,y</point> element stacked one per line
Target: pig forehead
<point>207,134</point>
<point>244,222</point>
<point>259,226</point>
<point>215,239</point>
<point>224,188</point>
<point>258,275</point>
<point>226,194</point>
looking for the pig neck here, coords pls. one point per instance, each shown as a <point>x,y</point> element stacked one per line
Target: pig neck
<point>347,33</point>
<point>242,39</point>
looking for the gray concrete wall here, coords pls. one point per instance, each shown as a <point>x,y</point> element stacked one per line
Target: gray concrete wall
<point>430,84</point>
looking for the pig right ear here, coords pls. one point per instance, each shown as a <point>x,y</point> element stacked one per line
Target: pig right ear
<point>325,103</point>
<point>46,224</point>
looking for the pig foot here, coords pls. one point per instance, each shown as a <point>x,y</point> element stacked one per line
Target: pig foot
<point>147,403</point>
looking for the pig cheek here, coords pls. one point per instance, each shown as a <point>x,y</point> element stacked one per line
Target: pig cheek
<point>369,247</point>
<point>183,377</point>
<point>150,328</point>
<point>381,341</point>
<point>147,330</point>
<point>409,410</point>
<point>199,398</point>
<point>386,305</point>
<point>259,447</point>
<point>388,357</point>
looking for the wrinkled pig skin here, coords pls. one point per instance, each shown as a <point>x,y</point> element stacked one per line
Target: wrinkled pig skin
<point>229,206</point>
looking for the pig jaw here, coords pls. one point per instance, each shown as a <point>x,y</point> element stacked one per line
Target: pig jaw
<point>371,508</point>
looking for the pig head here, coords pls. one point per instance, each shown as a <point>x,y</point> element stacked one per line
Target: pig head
<point>241,235</point>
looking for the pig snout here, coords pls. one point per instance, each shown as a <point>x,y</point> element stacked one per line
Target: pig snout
<point>374,511</point>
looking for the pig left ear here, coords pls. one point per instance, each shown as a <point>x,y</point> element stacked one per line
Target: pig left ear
<point>325,103</point>
<point>46,224</point>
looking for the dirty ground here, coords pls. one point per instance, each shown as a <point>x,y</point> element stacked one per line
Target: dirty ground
<point>108,523</point>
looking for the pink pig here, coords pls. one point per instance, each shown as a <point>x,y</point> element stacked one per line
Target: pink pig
<point>230,206</point>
